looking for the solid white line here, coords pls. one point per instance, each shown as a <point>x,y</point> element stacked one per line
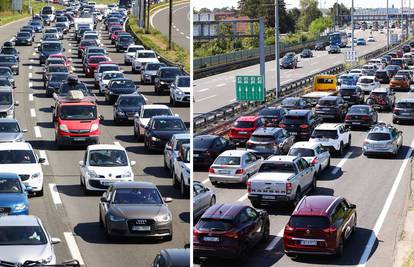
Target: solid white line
<point>30,75</point>
<point>34,54</point>
<point>205,98</point>
<point>43,154</point>
<point>30,67</point>
<point>70,50</point>
<point>205,181</point>
<point>32,112</point>
<point>387,205</point>
<point>275,240</point>
<point>203,90</point>
<point>221,85</point>
<point>117,143</point>
<point>243,198</point>
<point>30,84</point>
<point>55,194</point>
<point>73,247</point>
<point>30,97</point>
<point>37,132</point>
<point>341,163</point>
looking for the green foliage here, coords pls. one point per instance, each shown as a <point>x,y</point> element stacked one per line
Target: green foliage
<point>309,12</point>
<point>320,24</point>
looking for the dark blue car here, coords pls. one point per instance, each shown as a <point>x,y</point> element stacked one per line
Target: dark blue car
<point>37,25</point>
<point>13,195</point>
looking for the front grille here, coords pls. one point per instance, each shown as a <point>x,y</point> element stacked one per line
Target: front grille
<point>79,131</point>
<point>24,177</point>
<point>187,98</point>
<point>5,210</point>
<point>139,222</point>
<point>97,184</point>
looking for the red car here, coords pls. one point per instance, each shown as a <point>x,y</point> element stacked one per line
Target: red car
<point>115,34</point>
<point>92,64</point>
<point>399,53</point>
<point>68,61</point>
<point>229,231</point>
<point>113,25</point>
<point>83,44</point>
<point>319,225</point>
<point>244,127</point>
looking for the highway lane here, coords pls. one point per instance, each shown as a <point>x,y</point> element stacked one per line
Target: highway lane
<point>218,90</point>
<point>180,25</point>
<point>365,182</point>
<point>68,210</point>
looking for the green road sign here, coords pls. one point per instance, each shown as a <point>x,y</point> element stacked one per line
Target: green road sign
<point>250,88</point>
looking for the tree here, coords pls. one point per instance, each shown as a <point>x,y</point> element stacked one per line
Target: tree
<point>320,24</point>
<point>309,12</point>
<point>339,13</point>
<point>293,17</point>
<point>204,10</point>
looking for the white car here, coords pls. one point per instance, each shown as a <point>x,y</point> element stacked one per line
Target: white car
<point>106,77</point>
<point>20,158</point>
<point>180,90</point>
<point>371,39</point>
<point>377,62</point>
<point>102,68</point>
<point>313,153</point>
<point>372,67</point>
<point>356,71</point>
<point>130,53</point>
<point>182,167</point>
<point>146,113</point>
<point>141,58</point>
<point>172,148</point>
<point>24,238</point>
<point>104,165</point>
<point>332,136</point>
<point>92,36</point>
<point>368,83</point>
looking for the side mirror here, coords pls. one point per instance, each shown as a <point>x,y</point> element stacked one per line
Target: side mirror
<point>24,131</point>
<point>55,240</point>
<point>28,189</point>
<point>103,199</point>
<point>168,200</point>
<point>42,160</point>
<point>352,206</point>
<point>16,103</point>
<point>101,117</point>
<point>81,163</point>
<point>133,163</point>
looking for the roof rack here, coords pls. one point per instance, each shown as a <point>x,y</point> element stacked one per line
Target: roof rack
<point>75,96</point>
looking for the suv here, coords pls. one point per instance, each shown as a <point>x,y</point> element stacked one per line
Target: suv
<point>319,225</point>
<point>368,83</point>
<point>270,141</point>
<point>281,179</point>
<point>331,107</point>
<point>381,98</point>
<point>142,57</point>
<point>313,153</point>
<point>164,78</point>
<point>48,48</point>
<point>332,136</point>
<point>383,139</point>
<point>180,91</point>
<point>243,128</point>
<point>181,170</point>
<point>299,123</point>
<point>172,149</point>
<point>352,94</point>
<point>130,53</point>
<point>403,111</point>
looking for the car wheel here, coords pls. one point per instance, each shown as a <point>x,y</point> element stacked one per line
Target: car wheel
<point>81,181</point>
<point>341,150</point>
<point>40,193</point>
<point>182,188</point>
<point>212,201</point>
<point>174,180</point>
<point>101,224</point>
<point>297,198</point>
<point>349,141</point>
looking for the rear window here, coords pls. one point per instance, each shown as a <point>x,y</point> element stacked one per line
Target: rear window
<point>270,112</point>
<point>325,80</point>
<point>290,119</point>
<point>277,167</point>
<point>227,160</point>
<point>398,78</point>
<point>261,138</point>
<point>301,152</point>
<point>309,222</point>
<point>405,105</point>
<point>366,80</point>
<point>358,110</point>
<point>378,136</point>
<point>243,124</point>
<point>333,134</point>
<point>381,74</point>
<point>215,225</point>
<point>323,102</point>
<point>202,142</point>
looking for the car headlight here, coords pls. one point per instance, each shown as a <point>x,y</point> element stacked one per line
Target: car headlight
<point>120,113</point>
<point>36,175</point>
<point>163,218</point>
<point>92,174</point>
<point>155,139</point>
<point>47,260</point>
<point>179,92</point>
<point>126,174</point>
<point>94,127</point>
<point>63,128</point>
<point>147,75</point>
<point>20,206</point>
<point>116,218</point>
<point>161,82</point>
<point>10,111</point>
<point>15,66</point>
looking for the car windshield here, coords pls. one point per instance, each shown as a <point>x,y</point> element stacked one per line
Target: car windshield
<point>22,235</point>
<point>5,72</point>
<point>301,152</point>
<point>184,82</point>
<point>169,73</point>
<point>134,49</point>
<point>55,61</point>
<point>133,101</point>
<point>95,60</point>
<point>57,69</point>
<point>292,119</point>
<point>379,136</point>
<point>365,80</point>
<point>66,88</point>
<point>104,68</point>
<point>10,186</point>
<point>214,225</point>
<point>277,167</point>
<point>78,112</point>
<point>6,98</point>
<point>146,55</point>
<point>8,59</point>
<point>227,160</point>
<point>154,67</point>
<point>58,77</point>
<point>9,127</point>
<point>23,35</point>
<point>17,157</point>
<point>5,82</point>
<point>262,138</point>
<point>358,110</point>
<point>405,105</point>
<point>168,125</point>
<point>318,222</point>
<point>108,158</point>
<point>290,102</point>
<point>88,43</point>
<point>8,51</point>
<point>51,47</point>
<point>139,196</point>
<point>326,102</point>
<point>61,19</point>
<point>332,134</point>
<point>243,124</point>
<point>270,112</point>
<point>122,84</point>
<point>149,113</point>
<point>126,39</point>
<point>398,78</point>
<point>51,30</point>
<point>114,75</point>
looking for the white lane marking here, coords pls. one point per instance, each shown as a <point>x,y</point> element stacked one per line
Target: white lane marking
<point>38,134</point>
<point>55,194</point>
<point>43,154</point>
<point>34,54</point>
<point>30,67</point>
<point>386,207</point>
<point>177,29</point>
<point>32,112</point>
<point>203,90</point>
<point>221,85</point>
<point>73,247</point>
<point>275,240</point>
<point>70,44</point>
<point>233,100</point>
<point>30,97</point>
<point>181,33</point>
<point>205,181</point>
<point>341,163</point>
<point>70,51</point>
<point>30,84</point>
<point>243,198</point>
<point>188,37</point>
<point>205,98</point>
<point>31,60</point>
<point>117,143</point>
<point>30,75</point>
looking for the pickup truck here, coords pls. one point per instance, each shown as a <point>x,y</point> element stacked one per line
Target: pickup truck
<point>181,173</point>
<point>281,179</point>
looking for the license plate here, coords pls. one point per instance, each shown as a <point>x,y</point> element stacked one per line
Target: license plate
<point>223,171</point>
<point>308,243</point>
<point>141,228</point>
<point>356,123</point>
<point>260,147</point>
<point>347,96</point>
<point>79,139</point>
<point>378,146</point>
<point>106,183</point>
<point>293,133</point>
<point>268,197</point>
<point>196,155</point>
<point>211,239</point>
<point>323,139</point>
<point>242,132</point>
<point>405,113</point>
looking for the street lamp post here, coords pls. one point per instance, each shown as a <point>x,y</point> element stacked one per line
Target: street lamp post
<point>170,27</point>
<point>277,47</point>
<point>388,27</point>
<point>352,26</point>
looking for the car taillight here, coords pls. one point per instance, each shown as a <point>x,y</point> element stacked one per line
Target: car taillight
<point>195,232</point>
<point>330,230</point>
<point>289,188</point>
<point>281,125</point>
<point>365,117</point>
<point>303,126</point>
<point>210,170</point>
<point>249,186</point>
<point>395,110</point>
<point>314,161</point>
<point>366,142</point>
<point>232,235</point>
<point>347,117</point>
<point>248,145</point>
<point>317,106</point>
<point>240,171</point>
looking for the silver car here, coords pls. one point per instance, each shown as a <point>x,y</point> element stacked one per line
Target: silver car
<point>383,139</point>
<point>24,238</point>
<point>10,131</point>
<point>7,103</point>
<point>172,148</point>
<point>149,72</point>
<point>203,198</point>
<point>135,209</point>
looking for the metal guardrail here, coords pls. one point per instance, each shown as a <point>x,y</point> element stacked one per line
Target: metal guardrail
<point>218,121</point>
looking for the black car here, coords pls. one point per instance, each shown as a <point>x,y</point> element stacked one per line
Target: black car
<point>352,94</point>
<point>294,103</point>
<point>289,61</point>
<point>320,46</point>
<point>334,49</point>
<point>300,123</point>
<point>62,27</point>
<point>306,53</point>
<point>164,77</point>
<point>361,116</point>
<point>54,82</point>
<point>267,141</point>
<point>403,111</point>
<point>11,62</point>
<point>206,148</point>
<point>10,50</point>
<point>382,76</point>
<point>123,41</point>
<point>119,86</point>
<point>272,115</point>
<point>406,48</point>
<point>6,72</point>
<point>392,70</point>
<point>159,131</point>
<point>127,106</point>
<point>331,108</point>
<point>172,257</point>
<point>23,38</point>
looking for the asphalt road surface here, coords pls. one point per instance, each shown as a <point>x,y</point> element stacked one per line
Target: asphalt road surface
<point>180,25</point>
<point>219,90</point>
<point>66,212</point>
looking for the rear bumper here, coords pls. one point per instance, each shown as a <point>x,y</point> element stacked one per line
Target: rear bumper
<point>310,252</point>
<point>267,198</point>
<point>215,252</point>
<point>228,179</point>
<point>403,117</point>
<point>68,140</point>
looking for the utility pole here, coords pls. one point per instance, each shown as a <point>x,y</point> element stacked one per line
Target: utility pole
<point>277,48</point>
<point>170,27</point>
<point>352,27</point>
<point>337,16</point>
<point>148,17</point>
<point>402,18</point>
<point>388,27</point>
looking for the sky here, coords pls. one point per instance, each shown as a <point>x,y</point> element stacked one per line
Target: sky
<point>197,4</point>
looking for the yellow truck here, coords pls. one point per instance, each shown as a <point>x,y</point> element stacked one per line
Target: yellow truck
<point>323,85</point>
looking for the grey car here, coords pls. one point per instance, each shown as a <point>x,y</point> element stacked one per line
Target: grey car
<point>7,103</point>
<point>150,70</point>
<point>10,131</point>
<point>24,238</point>
<point>267,141</point>
<point>6,72</point>
<point>383,139</point>
<point>135,209</point>
<point>203,198</point>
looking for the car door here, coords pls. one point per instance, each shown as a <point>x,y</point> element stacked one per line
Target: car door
<point>197,199</point>
<point>307,173</point>
<point>147,133</point>
<point>248,227</point>
<point>256,224</point>
<point>83,168</point>
<point>323,156</point>
<point>348,218</point>
<point>255,162</point>
<point>104,205</point>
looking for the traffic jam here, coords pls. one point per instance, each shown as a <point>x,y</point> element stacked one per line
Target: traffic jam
<point>277,186</point>
<point>91,123</point>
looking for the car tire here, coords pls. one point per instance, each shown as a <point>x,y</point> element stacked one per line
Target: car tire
<point>101,224</point>
<point>395,121</point>
<point>340,249</point>
<point>40,193</point>
<point>291,255</point>
<point>214,183</point>
<point>183,190</point>
<point>297,198</point>
<point>168,238</point>
<point>341,150</point>
<point>349,142</point>
<point>174,180</point>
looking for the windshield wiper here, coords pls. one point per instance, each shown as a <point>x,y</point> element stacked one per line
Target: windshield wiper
<point>29,263</point>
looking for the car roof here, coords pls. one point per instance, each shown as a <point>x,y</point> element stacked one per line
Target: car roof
<point>298,112</point>
<point>306,144</point>
<point>133,184</point>
<point>381,128</point>
<point>223,211</point>
<point>328,126</point>
<point>21,220</point>
<point>15,146</point>
<point>176,256</point>
<point>247,118</point>
<point>105,146</point>
<point>155,106</point>
<point>266,130</point>
<point>145,51</point>
<point>281,158</point>
<point>182,136</point>
<point>367,77</point>
<point>319,205</point>
<point>233,153</point>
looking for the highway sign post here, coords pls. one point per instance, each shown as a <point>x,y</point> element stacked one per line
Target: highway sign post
<point>351,56</point>
<point>250,88</point>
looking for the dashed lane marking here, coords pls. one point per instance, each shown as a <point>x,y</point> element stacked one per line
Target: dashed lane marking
<point>221,85</point>
<point>30,84</point>
<point>43,154</point>
<point>205,181</point>
<point>181,33</point>
<point>32,112</point>
<point>341,163</point>
<point>243,198</point>
<point>55,194</point>
<point>31,61</point>
<point>205,98</point>
<point>30,97</point>
<point>30,75</point>
<point>30,67</point>
<point>38,134</point>
<point>73,247</point>
<point>275,240</point>
<point>203,90</point>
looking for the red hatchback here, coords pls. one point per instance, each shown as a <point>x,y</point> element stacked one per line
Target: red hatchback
<point>319,225</point>
<point>93,63</point>
<point>244,127</point>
